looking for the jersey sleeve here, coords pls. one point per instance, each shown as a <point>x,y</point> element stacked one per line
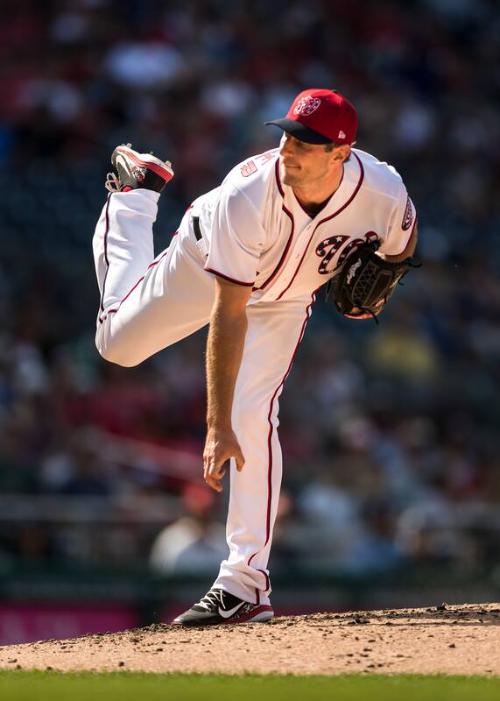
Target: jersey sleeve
<point>401,224</point>
<point>236,238</point>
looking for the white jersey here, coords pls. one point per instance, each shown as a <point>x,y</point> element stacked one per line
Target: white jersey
<point>256,233</point>
<point>253,231</point>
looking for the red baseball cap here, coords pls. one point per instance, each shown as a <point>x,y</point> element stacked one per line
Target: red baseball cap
<point>319,116</point>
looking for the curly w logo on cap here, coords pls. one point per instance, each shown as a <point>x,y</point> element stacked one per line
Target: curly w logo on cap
<point>307,105</point>
<point>319,116</point>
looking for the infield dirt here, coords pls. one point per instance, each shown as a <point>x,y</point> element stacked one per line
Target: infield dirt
<point>444,639</point>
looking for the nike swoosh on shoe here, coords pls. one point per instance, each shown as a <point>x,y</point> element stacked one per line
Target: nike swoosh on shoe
<point>123,163</point>
<point>230,612</point>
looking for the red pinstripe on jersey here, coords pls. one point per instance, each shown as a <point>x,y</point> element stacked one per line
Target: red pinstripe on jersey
<point>106,215</point>
<point>268,583</point>
<point>103,317</point>
<point>341,209</point>
<point>270,435</point>
<point>290,238</point>
<point>230,279</point>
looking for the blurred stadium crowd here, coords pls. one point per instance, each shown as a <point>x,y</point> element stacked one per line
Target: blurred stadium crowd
<point>390,432</point>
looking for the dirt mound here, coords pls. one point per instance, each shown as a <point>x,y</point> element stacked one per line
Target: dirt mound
<point>443,639</point>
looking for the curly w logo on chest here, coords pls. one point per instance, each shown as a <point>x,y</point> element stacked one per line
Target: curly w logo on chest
<point>328,249</point>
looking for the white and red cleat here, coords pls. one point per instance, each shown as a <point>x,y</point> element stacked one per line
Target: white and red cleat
<point>218,607</point>
<point>137,170</point>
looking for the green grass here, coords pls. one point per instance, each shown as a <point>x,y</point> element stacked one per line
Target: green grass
<point>128,686</point>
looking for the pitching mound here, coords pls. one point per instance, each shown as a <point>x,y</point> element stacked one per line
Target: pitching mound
<point>444,639</point>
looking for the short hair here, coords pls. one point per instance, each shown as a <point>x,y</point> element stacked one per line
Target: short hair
<point>332,145</point>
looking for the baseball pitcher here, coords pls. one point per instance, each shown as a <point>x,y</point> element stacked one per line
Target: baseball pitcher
<point>248,259</point>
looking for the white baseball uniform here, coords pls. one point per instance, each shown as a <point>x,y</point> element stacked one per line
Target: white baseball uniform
<point>253,231</point>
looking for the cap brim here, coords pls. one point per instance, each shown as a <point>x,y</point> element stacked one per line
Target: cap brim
<point>299,131</point>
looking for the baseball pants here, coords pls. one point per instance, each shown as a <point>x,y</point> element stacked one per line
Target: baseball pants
<point>150,303</point>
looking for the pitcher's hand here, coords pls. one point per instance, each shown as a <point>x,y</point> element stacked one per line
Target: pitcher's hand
<point>220,445</point>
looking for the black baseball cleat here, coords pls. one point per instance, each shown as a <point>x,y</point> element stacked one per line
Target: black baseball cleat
<point>137,170</point>
<point>218,606</point>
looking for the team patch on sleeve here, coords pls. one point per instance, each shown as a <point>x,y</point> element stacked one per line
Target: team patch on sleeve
<point>408,215</point>
<point>248,168</point>
<point>251,167</point>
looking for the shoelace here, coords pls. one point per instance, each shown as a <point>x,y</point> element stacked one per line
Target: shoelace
<point>112,183</point>
<point>212,599</point>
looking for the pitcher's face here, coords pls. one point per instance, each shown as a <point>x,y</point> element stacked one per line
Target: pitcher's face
<point>303,164</point>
